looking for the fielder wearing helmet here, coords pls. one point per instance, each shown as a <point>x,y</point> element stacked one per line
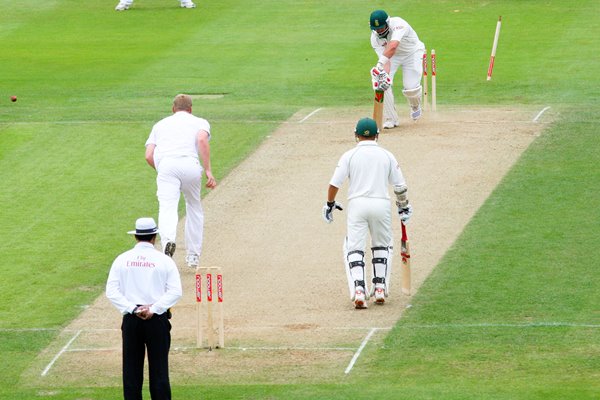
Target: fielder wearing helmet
<point>369,169</point>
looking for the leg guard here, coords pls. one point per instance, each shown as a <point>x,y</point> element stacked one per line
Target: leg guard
<point>382,267</point>
<point>414,97</point>
<point>355,271</point>
<point>390,116</point>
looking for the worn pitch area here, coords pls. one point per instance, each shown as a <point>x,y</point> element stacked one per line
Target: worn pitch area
<point>287,312</point>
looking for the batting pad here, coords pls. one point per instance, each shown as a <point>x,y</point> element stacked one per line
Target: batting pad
<point>355,273</point>
<point>389,107</point>
<point>413,96</point>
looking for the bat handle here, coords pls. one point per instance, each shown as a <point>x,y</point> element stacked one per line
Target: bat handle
<point>404,236</point>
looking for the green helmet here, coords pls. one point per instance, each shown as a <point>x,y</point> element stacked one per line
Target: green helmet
<point>378,20</point>
<point>366,127</point>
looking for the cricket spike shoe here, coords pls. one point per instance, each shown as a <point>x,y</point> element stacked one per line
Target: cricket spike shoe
<point>192,260</point>
<point>390,124</point>
<point>379,293</point>
<point>170,249</point>
<point>187,4</point>
<point>123,5</point>
<point>415,113</point>
<point>360,298</point>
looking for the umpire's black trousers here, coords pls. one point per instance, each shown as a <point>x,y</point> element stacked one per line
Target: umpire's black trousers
<point>140,335</point>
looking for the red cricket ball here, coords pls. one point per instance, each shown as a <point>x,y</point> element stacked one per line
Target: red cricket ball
<point>13,98</point>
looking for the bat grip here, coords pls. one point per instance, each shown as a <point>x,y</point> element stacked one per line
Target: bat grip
<point>404,236</point>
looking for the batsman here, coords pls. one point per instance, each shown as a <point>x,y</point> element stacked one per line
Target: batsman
<point>397,46</point>
<point>370,169</point>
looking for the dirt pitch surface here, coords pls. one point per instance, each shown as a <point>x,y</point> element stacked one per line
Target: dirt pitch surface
<point>287,312</point>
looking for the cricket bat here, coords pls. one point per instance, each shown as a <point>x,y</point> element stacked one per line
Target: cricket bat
<point>425,89</point>
<point>405,254</point>
<point>378,109</point>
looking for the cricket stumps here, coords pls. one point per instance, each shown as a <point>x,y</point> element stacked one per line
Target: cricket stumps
<point>206,277</point>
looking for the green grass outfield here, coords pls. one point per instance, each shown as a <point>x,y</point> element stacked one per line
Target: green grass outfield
<point>511,312</point>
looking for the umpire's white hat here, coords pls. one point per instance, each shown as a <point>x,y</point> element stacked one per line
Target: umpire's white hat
<point>144,226</point>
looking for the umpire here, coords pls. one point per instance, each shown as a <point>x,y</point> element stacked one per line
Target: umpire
<point>143,284</point>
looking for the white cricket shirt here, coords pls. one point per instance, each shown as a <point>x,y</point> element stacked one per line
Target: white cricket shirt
<point>143,275</point>
<point>401,31</point>
<point>176,136</point>
<point>370,170</point>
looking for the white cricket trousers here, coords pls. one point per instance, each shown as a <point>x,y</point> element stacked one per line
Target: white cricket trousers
<point>175,176</point>
<point>368,215</point>
<point>412,71</point>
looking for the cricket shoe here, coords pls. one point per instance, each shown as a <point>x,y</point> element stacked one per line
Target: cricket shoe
<point>187,4</point>
<point>170,249</point>
<point>123,5</point>
<point>192,260</point>
<point>415,114</point>
<point>360,298</point>
<point>379,293</point>
<point>390,124</point>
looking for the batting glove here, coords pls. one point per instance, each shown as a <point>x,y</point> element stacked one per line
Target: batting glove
<point>405,213</point>
<point>328,210</point>
<point>384,81</point>
<point>380,79</point>
<point>375,72</point>
<point>374,79</point>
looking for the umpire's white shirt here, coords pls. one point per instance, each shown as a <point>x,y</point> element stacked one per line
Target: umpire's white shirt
<point>370,170</point>
<point>143,275</point>
<point>177,136</point>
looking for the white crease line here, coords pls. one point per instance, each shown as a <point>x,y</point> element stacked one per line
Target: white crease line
<point>241,348</point>
<point>100,349</point>
<point>271,327</point>
<point>187,328</point>
<point>310,115</point>
<point>540,113</point>
<point>492,325</point>
<point>360,349</point>
<point>66,346</point>
<point>334,328</point>
<point>12,330</point>
<point>287,348</point>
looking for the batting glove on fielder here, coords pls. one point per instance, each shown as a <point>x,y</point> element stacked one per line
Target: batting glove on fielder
<point>405,213</point>
<point>328,210</point>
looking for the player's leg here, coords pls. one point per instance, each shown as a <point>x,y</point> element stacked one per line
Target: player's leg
<point>133,353</point>
<point>123,5</point>
<point>380,224</point>
<point>168,193</point>
<point>412,72</point>
<point>158,343</point>
<point>354,244</point>
<point>187,4</point>
<point>194,217</point>
<point>390,115</point>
